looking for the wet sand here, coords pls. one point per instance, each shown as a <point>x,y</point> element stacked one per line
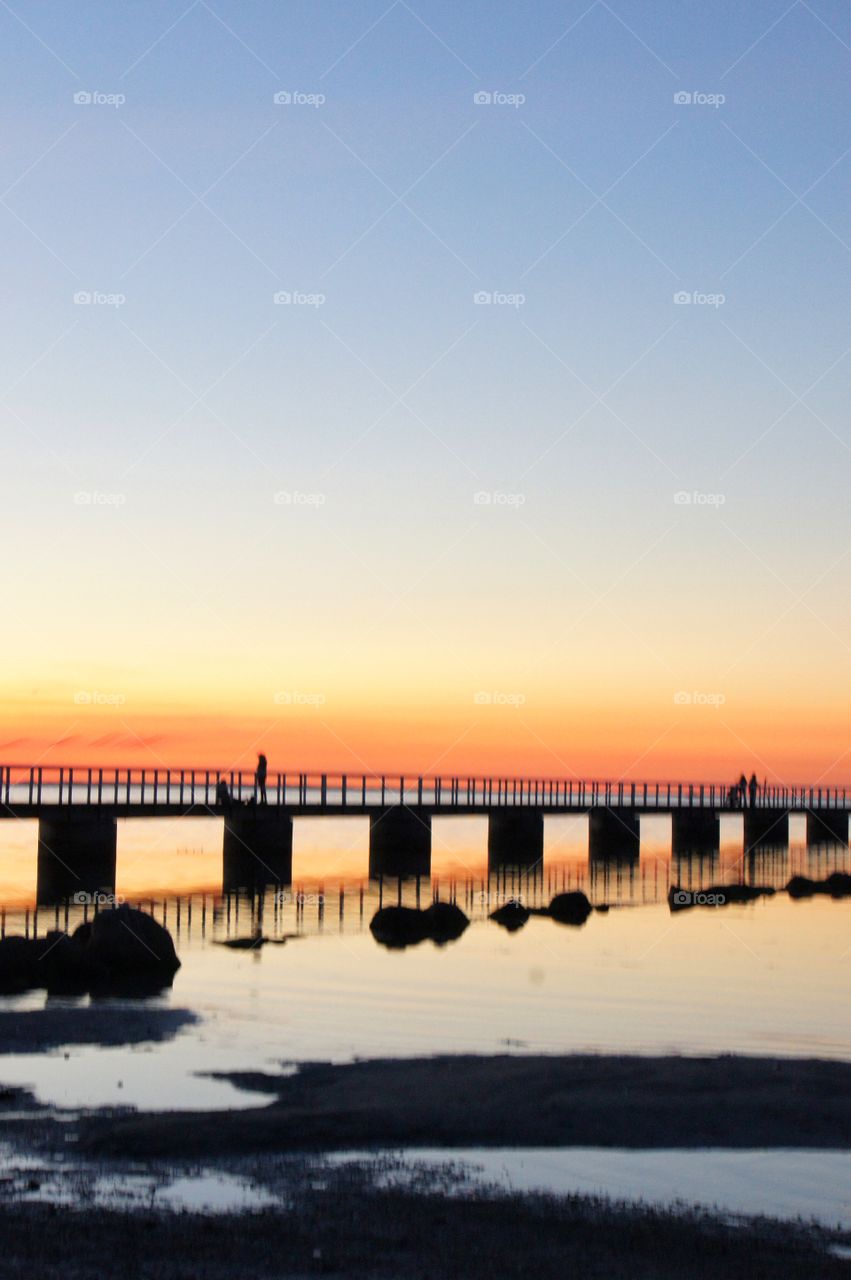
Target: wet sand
<point>536,1101</point>
<point>349,1228</point>
<point>107,1025</point>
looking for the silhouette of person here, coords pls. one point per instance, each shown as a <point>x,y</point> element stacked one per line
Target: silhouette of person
<point>743,791</point>
<point>260,777</point>
<point>733,797</point>
<point>753,789</point>
<point>223,796</point>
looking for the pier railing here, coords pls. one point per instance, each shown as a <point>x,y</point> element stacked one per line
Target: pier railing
<point>33,786</point>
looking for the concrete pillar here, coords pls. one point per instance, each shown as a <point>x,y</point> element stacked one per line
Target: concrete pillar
<point>766,826</point>
<point>695,830</point>
<point>399,842</point>
<point>515,838</point>
<point>76,854</point>
<point>826,825</point>
<point>613,833</point>
<point>258,848</point>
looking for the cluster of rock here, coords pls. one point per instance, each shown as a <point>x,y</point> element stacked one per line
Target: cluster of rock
<point>118,952</point>
<point>566,908</point>
<point>837,885</point>
<point>398,927</point>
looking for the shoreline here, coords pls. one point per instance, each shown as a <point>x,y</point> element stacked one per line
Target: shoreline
<point>504,1101</point>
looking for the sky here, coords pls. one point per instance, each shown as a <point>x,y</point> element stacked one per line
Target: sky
<point>427,387</point>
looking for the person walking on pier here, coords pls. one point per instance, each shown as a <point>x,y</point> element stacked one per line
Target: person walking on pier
<point>260,778</point>
<point>743,792</point>
<point>753,790</point>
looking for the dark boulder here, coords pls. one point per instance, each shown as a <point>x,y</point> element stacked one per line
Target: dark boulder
<point>569,908</point>
<point>445,922</point>
<point>17,965</point>
<point>511,915</point>
<point>837,885</point>
<point>127,952</point>
<point>398,927</point>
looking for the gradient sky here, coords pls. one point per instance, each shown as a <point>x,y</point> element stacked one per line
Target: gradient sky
<point>230,522</point>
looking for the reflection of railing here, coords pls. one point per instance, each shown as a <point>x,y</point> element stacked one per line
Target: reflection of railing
<point>311,907</point>
<point>28,786</point>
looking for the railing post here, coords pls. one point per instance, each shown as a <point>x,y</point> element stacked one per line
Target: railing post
<point>324,789</point>
<point>61,783</point>
<point>343,790</point>
<point>181,786</point>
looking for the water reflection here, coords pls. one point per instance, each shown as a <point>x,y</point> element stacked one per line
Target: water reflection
<point>334,899</point>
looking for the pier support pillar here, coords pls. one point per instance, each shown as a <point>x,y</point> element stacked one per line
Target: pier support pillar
<point>825,825</point>
<point>76,855</point>
<point>695,831</point>
<point>258,848</point>
<point>613,832</point>
<point>515,838</point>
<point>766,826</point>
<point>399,843</point>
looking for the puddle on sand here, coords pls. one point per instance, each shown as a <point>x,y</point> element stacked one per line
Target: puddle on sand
<point>812,1185</point>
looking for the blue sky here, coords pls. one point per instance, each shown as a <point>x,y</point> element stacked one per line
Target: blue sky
<point>390,198</point>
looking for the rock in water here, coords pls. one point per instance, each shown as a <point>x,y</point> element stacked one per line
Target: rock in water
<point>512,915</point>
<point>570,908</point>
<point>127,946</point>
<point>398,926</point>
<point>445,922</point>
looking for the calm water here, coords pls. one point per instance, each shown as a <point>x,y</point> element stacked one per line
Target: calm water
<point>770,977</point>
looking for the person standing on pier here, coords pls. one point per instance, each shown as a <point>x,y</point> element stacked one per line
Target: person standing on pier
<point>743,792</point>
<point>753,789</point>
<point>260,778</point>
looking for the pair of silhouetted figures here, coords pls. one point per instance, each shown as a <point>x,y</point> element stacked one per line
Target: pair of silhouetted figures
<point>743,793</point>
<point>223,792</point>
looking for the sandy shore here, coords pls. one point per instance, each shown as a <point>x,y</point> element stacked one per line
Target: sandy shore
<point>579,1100</point>
<point>351,1229</point>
